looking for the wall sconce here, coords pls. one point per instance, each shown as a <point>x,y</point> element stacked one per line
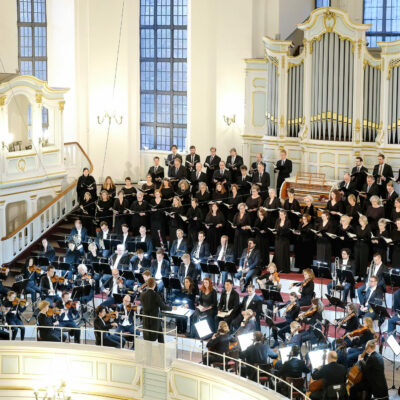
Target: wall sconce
<point>230,120</point>
<point>110,117</point>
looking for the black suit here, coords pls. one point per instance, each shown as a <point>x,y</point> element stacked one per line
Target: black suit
<point>157,174</point>
<point>171,157</point>
<point>387,172</point>
<point>347,188</point>
<point>222,176</point>
<point>233,304</point>
<point>108,339</point>
<point>331,374</point>
<point>177,174</point>
<point>188,162</point>
<point>389,203</point>
<point>254,167</point>
<point>124,260</point>
<point>285,169</point>
<point>263,181</point>
<point>293,368</point>
<point>191,272</point>
<point>255,305</point>
<point>204,252</point>
<point>234,167</point>
<point>213,164</point>
<point>196,180</point>
<point>152,303</point>
<point>372,190</point>
<point>257,354</point>
<point>244,184</point>
<point>359,177</point>
<point>144,264</point>
<point>165,268</point>
<point>220,345</point>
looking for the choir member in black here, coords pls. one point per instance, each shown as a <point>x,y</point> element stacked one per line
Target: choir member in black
<point>391,196</point>
<point>368,190</point>
<point>344,232</point>
<point>243,181</point>
<point>194,217</point>
<point>361,247</point>
<point>345,264</point>
<point>335,206</point>
<point>188,297</point>
<point>261,233</point>
<point>149,187</point>
<point>211,163</point>
<point>157,172</point>
<point>46,324</point>
<point>158,220</point>
<point>233,201</point>
<point>102,325</point>
<point>359,174</point>
<point>191,160</point>
<point>178,172</point>
<point>254,165</point>
<point>282,242</point>
<point>253,203</point>
<point>229,303</point>
<point>309,208</point>
<point>104,208</point>
<point>332,375</point>
<point>249,264</point>
<point>68,315</point>
<point>396,211</point>
<point>207,308</point>
<point>171,158</point>
<point>203,196</point>
<point>86,183</point>
<point>284,169</point>
<point>31,273</point>
<point>120,209</point>
<point>305,243</point>
<point>129,190</point>
<point>290,313</point>
<point>109,187</point>
<point>352,209</point>
<point>262,179</point>
<point>139,209</point>
<point>13,308</point>
<point>174,220</point>
<point>347,187</point>
<point>222,174</point>
<point>233,163</point>
<point>324,244</point>
<point>373,375</point>
<point>382,173</point>
<point>375,212</point>
<point>395,236</point>
<point>219,343</point>
<point>167,191</point>
<point>306,287</point>
<point>379,245</point>
<point>272,203</point>
<point>87,210</point>
<point>197,176</point>
<point>292,206</point>
<point>183,191</point>
<point>241,224</point>
<point>214,223</point>
<point>47,250</point>
<point>102,240</point>
<point>220,193</point>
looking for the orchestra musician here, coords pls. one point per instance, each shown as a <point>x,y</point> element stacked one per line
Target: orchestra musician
<point>102,325</point>
<point>31,273</point>
<point>350,322</point>
<point>72,257</point>
<point>306,287</point>
<point>157,172</point>
<point>314,316</point>
<point>228,305</point>
<point>13,309</point>
<point>84,279</point>
<point>295,335</point>
<point>78,235</point>
<point>249,264</point>
<point>143,237</point>
<point>125,319</point>
<point>69,313</point>
<point>250,302</point>
<point>187,298</point>
<point>219,343</point>
<point>284,169</point>
<point>295,366</point>
<point>48,287</point>
<point>200,251</point>
<point>124,238</point>
<point>269,277</point>
<point>187,269</point>
<point>224,253</point>
<point>47,251</point>
<point>113,285</point>
<point>373,295</point>
<point>139,262</point>
<point>160,268</point>
<point>47,323</point>
<point>101,237</point>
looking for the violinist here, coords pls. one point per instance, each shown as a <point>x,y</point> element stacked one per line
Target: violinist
<point>350,322</point>
<point>314,316</point>
<point>125,318</point>
<point>13,309</point>
<point>248,265</point>
<point>84,279</point>
<point>31,273</point>
<point>114,285</point>
<point>269,277</point>
<point>331,374</point>
<point>72,257</point>
<point>290,313</point>
<point>295,334</point>
<point>219,343</point>
<point>248,324</point>
<point>102,325</point>
<point>306,287</point>
<point>48,285</point>
<point>373,375</point>
<point>252,302</point>
<point>46,324</point>
<point>69,313</point>
<point>47,251</point>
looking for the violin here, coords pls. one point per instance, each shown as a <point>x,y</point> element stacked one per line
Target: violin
<point>4,270</point>
<point>110,315</point>
<point>71,304</point>
<point>304,283</point>
<point>289,308</point>
<point>131,307</point>
<point>345,320</point>
<point>356,332</point>
<point>87,277</point>
<point>19,302</point>
<point>53,311</point>
<point>35,268</point>
<point>309,313</point>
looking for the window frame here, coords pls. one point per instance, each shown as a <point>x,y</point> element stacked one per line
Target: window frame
<point>316,4</point>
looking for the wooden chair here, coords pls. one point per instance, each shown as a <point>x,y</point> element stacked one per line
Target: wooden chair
<point>299,384</point>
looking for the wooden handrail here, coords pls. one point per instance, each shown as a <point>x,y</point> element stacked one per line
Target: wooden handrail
<point>58,197</point>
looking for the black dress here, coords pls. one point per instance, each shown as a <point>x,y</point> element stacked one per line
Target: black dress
<point>396,249</point>
<point>138,220</point>
<point>48,334</point>
<point>272,216</point>
<point>88,215</point>
<point>157,222</point>
<point>205,300</point>
<point>86,184</point>
<point>374,215</point>
<point>347,241</point>
<point>167,194</point>
<point>241,235</point>
<point>305,246</point>
<point>213,233</point>
<point>362,250</point>
<point>337,207</point>
<point>121,217</point>
<point>324,243</point>
<point>262,239</point>
<point>292,206</point>
<point>104,212</point>
<point>148,191</point>
<point>194,220</point>
<point>129,193</point>
<point>381,246</point>
<point>175,222</point>
<point>253,204</point>
<point>282,243</point>
<point>352,211</point>
<point>112,192</point>
<point>311,211</point>
<point>203,200</point>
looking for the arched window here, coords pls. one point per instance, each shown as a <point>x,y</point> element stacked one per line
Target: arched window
<point>163,74</point>
<point>384,16</point>
<point>322,3</point>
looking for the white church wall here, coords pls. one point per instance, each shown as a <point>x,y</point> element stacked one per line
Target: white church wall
<point>9,36</point>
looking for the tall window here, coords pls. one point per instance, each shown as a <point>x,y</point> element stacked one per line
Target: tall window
<point>32,38</point>
<point>163,74</point>
<point>384,16</point>
<point>322,3</point>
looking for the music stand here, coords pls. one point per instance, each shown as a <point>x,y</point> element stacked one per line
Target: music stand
<point>43,261</point>
<point>272,293</point>
<point>203,330</point>
<point>19,287</point>
<point>321,270</point>
<point>176,260</point>
<point>101,268</point>
<point>270,324</point>
<point>77,293</point>
<point>139,277</point>
<point>128,275</point>
<point>227,266</point>
<point>118,298</point>
<point>336,303</point>
<point>141,245</point>
<point>391,341</point>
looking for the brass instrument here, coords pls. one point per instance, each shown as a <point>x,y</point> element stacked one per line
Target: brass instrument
<point>370,270</point>
<point>335,282</point>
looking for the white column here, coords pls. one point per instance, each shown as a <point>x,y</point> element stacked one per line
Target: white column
<point>31,205</point>
<point>37,121</point>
